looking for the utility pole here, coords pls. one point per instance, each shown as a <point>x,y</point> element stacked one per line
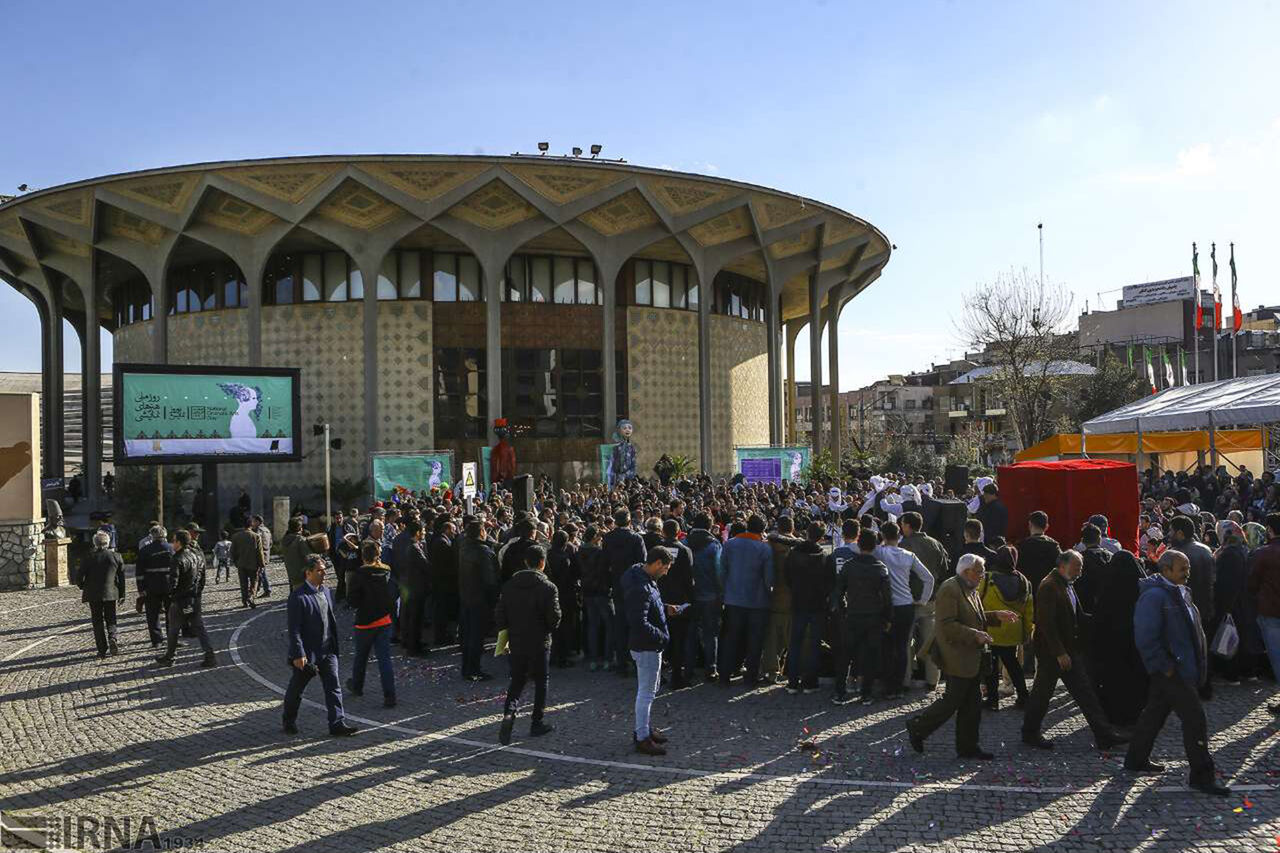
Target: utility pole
<point>1040,228</point>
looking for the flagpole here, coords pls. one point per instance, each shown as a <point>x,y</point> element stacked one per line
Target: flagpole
<point>1213,256</point>
<point>1197,309</point>
<point>1234,302</point>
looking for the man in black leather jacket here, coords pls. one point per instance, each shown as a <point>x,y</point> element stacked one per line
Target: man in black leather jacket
<point>185,586</point>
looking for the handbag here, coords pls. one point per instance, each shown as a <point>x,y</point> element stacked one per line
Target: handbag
<point>1226,640</point>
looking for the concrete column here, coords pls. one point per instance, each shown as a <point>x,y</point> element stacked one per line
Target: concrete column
<point>833,359</point>
<point>608,273</point>
<point>492,273</point>
<point>160,316</point>
<point>706,292</point>
<point>57,386</point>
<point>46,383</point>
<point>815,358</point>
<point>91,388</point>
<point>369,316</point>
<point>774,350</point>
<point>791,331</point>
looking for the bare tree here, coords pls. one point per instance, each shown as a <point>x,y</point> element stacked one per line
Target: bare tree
<point>1021,324</point>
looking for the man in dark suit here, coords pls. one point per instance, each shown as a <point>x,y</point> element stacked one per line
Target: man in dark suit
<point>1038,553</point>
<point>529,610</point>
<point>102,584</point>
<point>1060,654</point>
<point>313,648</point>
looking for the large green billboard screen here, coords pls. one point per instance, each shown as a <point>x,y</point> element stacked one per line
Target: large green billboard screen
<point>203,414</point>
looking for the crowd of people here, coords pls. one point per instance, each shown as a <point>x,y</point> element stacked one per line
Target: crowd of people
<point>743,584</point>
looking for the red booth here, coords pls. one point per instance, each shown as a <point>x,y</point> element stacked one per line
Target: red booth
<point>1070,491</point>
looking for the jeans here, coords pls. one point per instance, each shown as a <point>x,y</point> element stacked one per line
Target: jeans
<point>524,665</point>
<point>861,642</point>
<point>802,655</point>
<point>377,640</point>
<point>743,640</point>
<point>705,634</point>
<point>263,581</point>
<point>600,628</point>
<point>648,667</point>
<point>1270,627</point>
<point>473,620</point>
<point>896,645</point>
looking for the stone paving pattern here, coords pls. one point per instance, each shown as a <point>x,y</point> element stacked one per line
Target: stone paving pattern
<point>203,752</point>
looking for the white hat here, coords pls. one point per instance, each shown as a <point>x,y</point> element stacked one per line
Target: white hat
<point>982,482</point>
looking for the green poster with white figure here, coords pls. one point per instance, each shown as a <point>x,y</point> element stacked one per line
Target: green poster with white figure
<point>417,471</point>
<point>194,412</point>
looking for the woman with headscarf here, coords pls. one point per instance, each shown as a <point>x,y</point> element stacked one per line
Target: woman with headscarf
<point>1231,565</point>
<point>1117,667</point>
<point>1006,588</point>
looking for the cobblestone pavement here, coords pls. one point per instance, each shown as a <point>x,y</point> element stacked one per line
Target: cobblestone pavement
<point>201,752</point>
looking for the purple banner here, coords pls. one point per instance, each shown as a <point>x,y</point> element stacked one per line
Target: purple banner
<point>768,470</point>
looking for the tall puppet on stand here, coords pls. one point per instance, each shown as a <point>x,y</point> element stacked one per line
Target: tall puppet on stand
<point>502,461</point>
<point>622,466</point>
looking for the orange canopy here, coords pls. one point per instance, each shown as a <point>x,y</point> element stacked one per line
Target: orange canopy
<point>1069,444</point>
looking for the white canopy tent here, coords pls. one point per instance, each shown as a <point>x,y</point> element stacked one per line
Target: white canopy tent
<point>1250,401</point>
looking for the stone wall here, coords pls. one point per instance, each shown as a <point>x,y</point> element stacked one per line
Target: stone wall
<point>21,555</point>
<point>209,337</point>
<point>739,388</point>
<point>134,343</point>
<point>662,383</point>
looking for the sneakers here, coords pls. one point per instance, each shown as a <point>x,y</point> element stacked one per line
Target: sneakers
<point>540,728</point>
<point>866,699</point>
<point>649,747</point>
<point>841,699</point>
<point>793,689</point>
<point>504,732</point>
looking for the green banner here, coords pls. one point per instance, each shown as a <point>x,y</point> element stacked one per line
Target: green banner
<point>606,462</point>
<point>793,460</point>
<point>417,472</point>
<point>206,414</point>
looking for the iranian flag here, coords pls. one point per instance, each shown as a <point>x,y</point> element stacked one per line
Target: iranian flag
<point>1237,317</point>
<point>1150,366</point>
<point>1182,363</point>
<point>1195,286</point>
<point>1168,367</point>
<point>1217,294</point>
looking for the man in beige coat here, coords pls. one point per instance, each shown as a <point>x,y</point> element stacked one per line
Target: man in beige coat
<point>960,640</point>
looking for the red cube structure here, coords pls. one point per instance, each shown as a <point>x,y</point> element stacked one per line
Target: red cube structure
<point>1070,491</point>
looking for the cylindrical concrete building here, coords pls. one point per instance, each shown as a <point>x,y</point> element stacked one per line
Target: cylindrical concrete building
<point>425,296</point>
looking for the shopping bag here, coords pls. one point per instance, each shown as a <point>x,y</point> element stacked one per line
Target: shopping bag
<point>1226,639</point>
<point>501,647</point>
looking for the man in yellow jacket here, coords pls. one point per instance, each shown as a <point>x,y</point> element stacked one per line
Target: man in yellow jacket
<point>960,638</point>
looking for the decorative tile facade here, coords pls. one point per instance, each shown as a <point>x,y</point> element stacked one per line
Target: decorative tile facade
<point>662,383</point>
<point>405,402</point>
<point>739,388</point>
<point>327,342</point>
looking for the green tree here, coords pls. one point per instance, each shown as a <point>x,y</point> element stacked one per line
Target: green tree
<point>1114,385</point>
<point>135,499</point>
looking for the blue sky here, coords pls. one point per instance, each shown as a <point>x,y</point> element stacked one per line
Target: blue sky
<point>1129,129</point>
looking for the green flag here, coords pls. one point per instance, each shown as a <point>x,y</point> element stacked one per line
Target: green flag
<point>1128,355</point>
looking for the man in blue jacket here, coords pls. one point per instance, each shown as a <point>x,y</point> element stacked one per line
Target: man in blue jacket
<point>746,575</point>
<point>647,636</point>
<point>1170,639</point>
<point>313,648</point>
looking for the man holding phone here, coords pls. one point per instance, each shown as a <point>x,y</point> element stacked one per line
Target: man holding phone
<point>647,636</point>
